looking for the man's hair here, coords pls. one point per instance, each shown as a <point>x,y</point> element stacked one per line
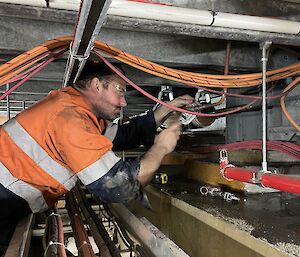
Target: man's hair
<point>94,69</point>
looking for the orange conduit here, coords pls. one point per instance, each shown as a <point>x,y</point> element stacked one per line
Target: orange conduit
<point>196,79</point>
<point>282,103</point>
<point>23,61</point>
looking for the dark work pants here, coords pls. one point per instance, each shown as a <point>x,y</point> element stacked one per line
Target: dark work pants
<point>12,208</point>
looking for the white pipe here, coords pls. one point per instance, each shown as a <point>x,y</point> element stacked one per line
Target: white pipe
<point>55,4</point>
<point>264,60</point>
<point>181,15</point>
<point>7,103</point>
<point>239,21</point>
<point>160,12</point>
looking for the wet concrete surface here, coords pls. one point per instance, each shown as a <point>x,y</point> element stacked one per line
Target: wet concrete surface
<point>273,217</point>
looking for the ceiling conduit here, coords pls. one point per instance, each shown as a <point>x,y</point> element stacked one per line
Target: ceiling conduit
<point>161,12</point>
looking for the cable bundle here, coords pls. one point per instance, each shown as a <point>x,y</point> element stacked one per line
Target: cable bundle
<point>280,146</point>
<point>11,71</point>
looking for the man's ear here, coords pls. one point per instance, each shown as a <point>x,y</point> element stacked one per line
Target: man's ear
<point>96,84</point>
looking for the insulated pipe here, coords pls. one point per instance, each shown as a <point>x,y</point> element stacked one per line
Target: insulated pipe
<point>162,12</point>
<point>80,234</point>
<point>240,174</point>
<point>105,245</point>
<point>285,183</point>
<point>290,184</point>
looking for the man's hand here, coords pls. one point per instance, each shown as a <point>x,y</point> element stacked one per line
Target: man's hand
<point>181,101</point>
<point>162,111</point>
<point>167,139</point>
<point>164,143</point>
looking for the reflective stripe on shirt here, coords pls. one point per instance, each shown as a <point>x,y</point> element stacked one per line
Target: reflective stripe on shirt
<point>98,169</point>
<point>30,194</point>
<point>25,142</point>
<point>111,131</point>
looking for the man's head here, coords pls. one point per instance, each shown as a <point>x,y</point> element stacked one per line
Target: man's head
<point>103,89</point>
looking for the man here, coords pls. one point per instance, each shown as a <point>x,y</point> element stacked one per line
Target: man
<point>67,136</point>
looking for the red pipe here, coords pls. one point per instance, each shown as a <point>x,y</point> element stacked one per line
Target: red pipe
<point>290,184</point>
<point>239,174</point>
<point>285,183</point>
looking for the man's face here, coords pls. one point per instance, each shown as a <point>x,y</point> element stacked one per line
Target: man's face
<point>110,97</point>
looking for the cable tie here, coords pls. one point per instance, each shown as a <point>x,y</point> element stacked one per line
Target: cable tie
<point>50,244</point>
<point>77,56</point>
<point>263,173</point>
<point>84,243</point>
<point>55,214</point>
<point>51,214</point>
<point>214,14</point>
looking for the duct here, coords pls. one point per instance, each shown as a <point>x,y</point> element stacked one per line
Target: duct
<point>159,12</point>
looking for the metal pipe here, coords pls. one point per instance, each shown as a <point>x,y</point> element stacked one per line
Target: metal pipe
<point>80,234</point>
<point>264,60</point>
<point>106,247</point>
<point>7,103</point>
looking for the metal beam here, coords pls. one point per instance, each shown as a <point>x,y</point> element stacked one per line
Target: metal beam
<point>20,242</point>
<point>92,15</point>
<point>156,245</point>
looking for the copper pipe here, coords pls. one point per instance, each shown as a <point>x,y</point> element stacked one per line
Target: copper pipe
<point>61,248</point>
<point>80,234</point>
<point>106,247</point>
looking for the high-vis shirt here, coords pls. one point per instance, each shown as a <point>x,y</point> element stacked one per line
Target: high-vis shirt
<point>48,147</point>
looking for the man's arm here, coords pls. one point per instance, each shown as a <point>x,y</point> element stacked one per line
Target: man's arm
<point>164,144</point>
<point>124,180</point>
<point>142,129</point>
<point>162,111</point>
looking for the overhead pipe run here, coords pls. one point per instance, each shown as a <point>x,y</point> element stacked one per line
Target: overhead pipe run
<point>154,11</point>
<point>201,17</point>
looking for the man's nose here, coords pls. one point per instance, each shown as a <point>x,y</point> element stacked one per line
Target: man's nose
<point>123,102</point>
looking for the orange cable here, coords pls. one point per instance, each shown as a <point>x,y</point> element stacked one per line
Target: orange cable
<point>282,103</point>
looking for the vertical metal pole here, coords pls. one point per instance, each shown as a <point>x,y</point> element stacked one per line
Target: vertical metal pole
<point>7,103</point>
<point>121,122</point>
<point>264,60</point>
<point>24,105</point>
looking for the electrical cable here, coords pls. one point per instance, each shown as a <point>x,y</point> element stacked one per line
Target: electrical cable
<point>288,148</point>
<point>282,103</point>
<point>39,67</point>
<point>188,78</point>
